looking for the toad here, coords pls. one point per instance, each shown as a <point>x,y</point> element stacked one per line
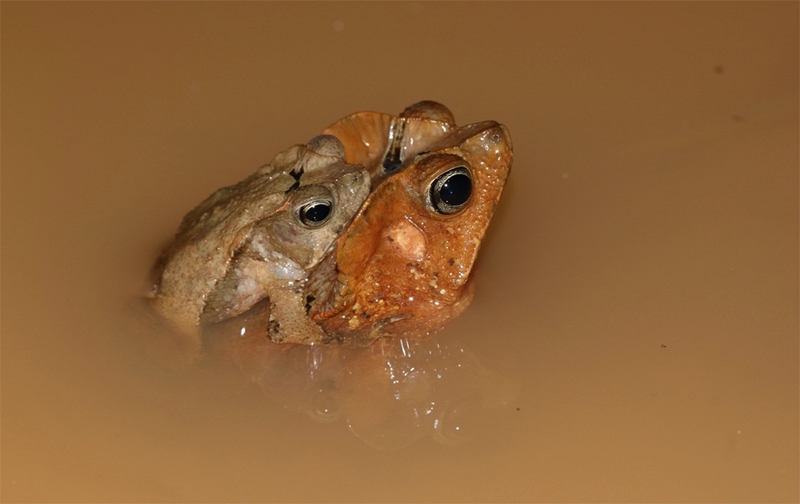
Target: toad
<point>258,239</point>
<point>402,268</point>
<point>385,144</point>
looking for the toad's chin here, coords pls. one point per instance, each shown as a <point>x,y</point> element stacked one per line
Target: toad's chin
<point>358,325</point>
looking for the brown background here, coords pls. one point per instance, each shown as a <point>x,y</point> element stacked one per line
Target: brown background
<point>640,280</point>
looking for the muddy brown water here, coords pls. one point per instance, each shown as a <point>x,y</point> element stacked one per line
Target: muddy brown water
<point>634,336</point>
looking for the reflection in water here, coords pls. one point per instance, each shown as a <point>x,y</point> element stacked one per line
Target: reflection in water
<point>391,393</point>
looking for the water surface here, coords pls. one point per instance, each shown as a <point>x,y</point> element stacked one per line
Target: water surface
<point>634,332</point>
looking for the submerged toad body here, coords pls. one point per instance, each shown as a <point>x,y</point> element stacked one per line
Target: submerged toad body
<point>259,238</point>
<point>403,265</point>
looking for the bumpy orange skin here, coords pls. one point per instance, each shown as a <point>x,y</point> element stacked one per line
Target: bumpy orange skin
<point>403,267</point>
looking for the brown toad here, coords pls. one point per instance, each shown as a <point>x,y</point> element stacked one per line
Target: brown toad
<point>403,265</point>
<point>258,239</point>
<point>385,144</point>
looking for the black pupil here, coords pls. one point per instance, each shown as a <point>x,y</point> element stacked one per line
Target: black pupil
<point>456,190</point>
<point>317,212</point>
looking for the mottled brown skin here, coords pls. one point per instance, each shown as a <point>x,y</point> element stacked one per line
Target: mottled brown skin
<point>254,240</point>
<point>377,140</point>
<point>402,268</point>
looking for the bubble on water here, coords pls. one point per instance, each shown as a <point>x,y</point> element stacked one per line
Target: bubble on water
<point>414,388</point>
<point>457,423</point>
<point>390,394</point>
<point>386,428</point>
<point>326,405</point>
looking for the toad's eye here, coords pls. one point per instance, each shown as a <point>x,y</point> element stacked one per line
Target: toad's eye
<point>451,190</point>
<point>315,213</point>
